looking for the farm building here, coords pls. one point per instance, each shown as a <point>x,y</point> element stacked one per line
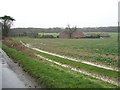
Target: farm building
<point>76,34</point>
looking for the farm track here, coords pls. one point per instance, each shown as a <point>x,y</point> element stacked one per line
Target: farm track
<point>103,78</point>
<point>106,79</point>
<point>73,59</point>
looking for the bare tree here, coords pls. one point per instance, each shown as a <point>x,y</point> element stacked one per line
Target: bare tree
<point>6,21</point>
<point>70,30</point>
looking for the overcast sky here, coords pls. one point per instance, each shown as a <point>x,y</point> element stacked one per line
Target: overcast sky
<point>59,13</point>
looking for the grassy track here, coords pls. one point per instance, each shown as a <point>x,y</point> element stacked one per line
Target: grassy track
<point>52,75</point>
<point>93,69</point>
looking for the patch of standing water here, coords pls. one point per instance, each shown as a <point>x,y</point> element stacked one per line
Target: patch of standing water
<point>0,69</point>
<point>13,76</point>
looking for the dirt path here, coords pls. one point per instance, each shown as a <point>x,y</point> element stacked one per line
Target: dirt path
<point>73,59</point>
<point>13,76</point>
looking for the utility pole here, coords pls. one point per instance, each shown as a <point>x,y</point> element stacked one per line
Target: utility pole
<point>118,31</point>
<point>118,52</point>
<point>119,42</point>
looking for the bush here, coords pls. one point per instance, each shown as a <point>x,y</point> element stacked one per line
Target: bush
<point>47,36</point>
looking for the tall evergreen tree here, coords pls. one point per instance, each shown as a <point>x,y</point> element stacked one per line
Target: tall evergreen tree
<point>7,22</point>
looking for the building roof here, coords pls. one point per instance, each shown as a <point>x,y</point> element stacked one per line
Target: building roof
<point>76,34</point>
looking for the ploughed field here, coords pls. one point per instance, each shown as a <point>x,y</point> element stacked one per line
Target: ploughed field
<point>55,71</point>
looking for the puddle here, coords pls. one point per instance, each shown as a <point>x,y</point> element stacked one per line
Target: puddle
<point>10,79</point>
<point>12,76</point>
<point>0,70</point>
<point>0,73</point>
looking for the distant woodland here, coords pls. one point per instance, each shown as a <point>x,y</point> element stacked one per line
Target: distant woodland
<point>18,31</point>
<point>57,30</point>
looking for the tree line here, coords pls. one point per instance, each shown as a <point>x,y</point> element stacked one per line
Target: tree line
<point>7,22</point>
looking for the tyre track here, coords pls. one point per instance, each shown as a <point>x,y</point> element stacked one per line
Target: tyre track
<point>103,78</point>
<point>73,59</point>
